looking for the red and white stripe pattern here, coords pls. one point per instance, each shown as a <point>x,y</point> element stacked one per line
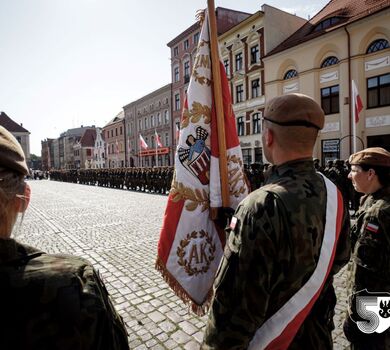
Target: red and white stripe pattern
<point>279,331</point>
<point>185,217</point>
<point>142,142</point>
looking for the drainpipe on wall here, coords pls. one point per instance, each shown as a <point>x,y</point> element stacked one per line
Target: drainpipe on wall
<point>349,89</point>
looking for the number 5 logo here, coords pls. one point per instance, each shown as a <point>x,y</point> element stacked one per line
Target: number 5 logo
<point>374,309</point>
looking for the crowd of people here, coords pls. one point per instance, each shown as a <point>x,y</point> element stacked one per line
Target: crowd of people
<point>285,242</point>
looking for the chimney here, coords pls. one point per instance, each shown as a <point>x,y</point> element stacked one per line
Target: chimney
<point>21,124</point>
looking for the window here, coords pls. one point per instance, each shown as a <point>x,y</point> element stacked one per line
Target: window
<point>239,61</point>
<point>152,121</point>
<point>196,38</point>
<point>258,155</point>
<point>159,118</point>
<point>255,54</point>
<point>146,123</point>
<point>166,117</point>
<point>240,126</point>
<point>186,72</point>
<point>247,156</point>
<point>378,45</point>
<point>292,73</point>
<point>112,132</point>
<point>152,141</point>
<point>186,44</point>
<point>175,51</point>
<point>226,65</point>
<point>378,91</point>
<point>166,139</point>
<point>108,134</point>
<point>239,93</point>
<point>256,123</point>
<point>139,124</point>
<point>120,131</point>
<point>116,131</point>
<point>255,88</point>
<point>177,102</point>
<point>329,61</point>
<point>326,23</point>
<point>330,99</point>
<point>176,75</point>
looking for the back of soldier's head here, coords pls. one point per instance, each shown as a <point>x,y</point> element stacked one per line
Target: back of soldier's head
<point>296,120</point>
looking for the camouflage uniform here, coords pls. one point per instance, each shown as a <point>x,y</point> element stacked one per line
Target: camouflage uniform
<point>54,302</point>
<point>270,253</point>
<point>370,262</point>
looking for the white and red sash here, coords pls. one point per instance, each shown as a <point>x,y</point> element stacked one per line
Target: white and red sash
<point>279,330</point>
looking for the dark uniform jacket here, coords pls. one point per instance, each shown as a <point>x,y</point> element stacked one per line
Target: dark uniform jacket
<point>270,253</point>
<point>54,302</point>
<point>371,260</point>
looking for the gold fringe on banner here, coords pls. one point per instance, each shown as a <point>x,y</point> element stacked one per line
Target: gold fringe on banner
<point>198,309</point>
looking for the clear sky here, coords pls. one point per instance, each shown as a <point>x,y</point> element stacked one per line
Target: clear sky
<point>66,63</point>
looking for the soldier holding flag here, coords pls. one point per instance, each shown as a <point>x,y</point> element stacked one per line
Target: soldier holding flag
<point>273,289</point>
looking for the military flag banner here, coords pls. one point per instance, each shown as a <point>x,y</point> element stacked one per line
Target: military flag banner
<point>191,244</point>
<point>357,106</point>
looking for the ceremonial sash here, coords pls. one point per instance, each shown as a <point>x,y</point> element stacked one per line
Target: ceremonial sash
<point>279,330</point>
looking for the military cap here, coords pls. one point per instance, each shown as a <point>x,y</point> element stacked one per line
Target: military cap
<point>294,110</point>
<point>11,153</point>
<point>375,156</point>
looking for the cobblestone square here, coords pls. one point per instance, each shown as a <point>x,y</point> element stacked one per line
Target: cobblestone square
<point>118,231</point>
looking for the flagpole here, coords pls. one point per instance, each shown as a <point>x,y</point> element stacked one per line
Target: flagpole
<point>155,140</point>
<point>218,103</point>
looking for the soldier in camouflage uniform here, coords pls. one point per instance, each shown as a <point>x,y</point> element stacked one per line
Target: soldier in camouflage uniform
<point>47,301</point>
<point>275,238</point>
<point>370,174</point>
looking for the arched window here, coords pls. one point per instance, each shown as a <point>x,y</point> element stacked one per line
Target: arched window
<point>378,45</point>
<point>329,61</point>
<point>292,73</point>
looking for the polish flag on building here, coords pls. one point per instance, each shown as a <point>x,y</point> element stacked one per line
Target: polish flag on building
<point>142,142</point>
<point>177,132</point>
<point>158,141</point>
<point>357,101</point>
<point>191,245</point>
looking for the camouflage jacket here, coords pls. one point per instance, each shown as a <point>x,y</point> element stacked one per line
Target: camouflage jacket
<point>54,302</point>
<point>370,262</point>
<point>271,251</point>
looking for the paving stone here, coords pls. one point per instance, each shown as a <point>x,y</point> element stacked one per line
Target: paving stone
<point>118,232</point>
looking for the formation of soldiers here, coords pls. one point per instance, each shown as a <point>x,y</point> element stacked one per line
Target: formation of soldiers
<point>156,180</point>
<point>159,179</point>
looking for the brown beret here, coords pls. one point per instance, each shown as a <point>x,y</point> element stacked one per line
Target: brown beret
<point>294,110</point>
<point>11,153</point>
<point>375,156</point>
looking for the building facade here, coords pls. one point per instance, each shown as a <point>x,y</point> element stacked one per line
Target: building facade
<point>99,149</point>
<point>345,41</point>
<point>114,135</point>
<point>242,50</point>
<point>84,150</point>
<point>147,116</point>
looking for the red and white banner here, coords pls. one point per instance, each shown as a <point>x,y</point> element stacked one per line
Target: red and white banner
<point>191,245</point>
<point>158,140</point>
<point>142,142</point>
<point>357,101</point>
<point>280,329</point>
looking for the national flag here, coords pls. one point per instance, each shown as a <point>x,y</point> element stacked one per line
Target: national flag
<point>177,132</point>
<point>191,245</point>
<point>116,147</point>
<point>357,101</point>
<point>142,142</point>
<point>372,227</point>
<point>158,141</point>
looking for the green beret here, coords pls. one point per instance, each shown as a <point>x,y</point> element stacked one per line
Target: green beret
<point>11,153</point>
<point>375,156</point>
